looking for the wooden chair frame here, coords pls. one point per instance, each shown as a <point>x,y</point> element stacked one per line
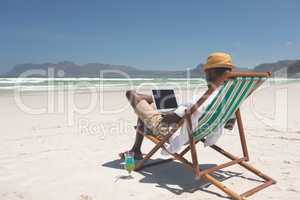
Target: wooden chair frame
<point>242,161</point>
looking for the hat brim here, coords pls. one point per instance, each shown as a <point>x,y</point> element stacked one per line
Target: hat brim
<point>227,65</point>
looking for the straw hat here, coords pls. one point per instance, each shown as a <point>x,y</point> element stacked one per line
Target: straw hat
<point>218,60</point>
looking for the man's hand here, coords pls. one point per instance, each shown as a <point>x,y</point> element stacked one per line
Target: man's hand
<point>170,117</point>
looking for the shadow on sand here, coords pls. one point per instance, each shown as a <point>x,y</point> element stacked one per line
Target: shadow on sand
<point>175,178</point>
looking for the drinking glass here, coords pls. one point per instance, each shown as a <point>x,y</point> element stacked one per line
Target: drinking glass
<point>129,162</point>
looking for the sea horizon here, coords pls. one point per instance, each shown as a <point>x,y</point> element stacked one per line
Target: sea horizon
<point>44,84</point>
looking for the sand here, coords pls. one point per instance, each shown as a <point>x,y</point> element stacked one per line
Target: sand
<point>63,152</point>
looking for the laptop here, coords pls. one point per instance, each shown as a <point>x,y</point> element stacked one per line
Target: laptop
<point>165,100</point>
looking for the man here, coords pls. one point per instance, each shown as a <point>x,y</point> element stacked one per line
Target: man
<point>150,120</point>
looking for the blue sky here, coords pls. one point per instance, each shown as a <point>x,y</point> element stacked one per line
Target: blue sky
<point>156,34</point>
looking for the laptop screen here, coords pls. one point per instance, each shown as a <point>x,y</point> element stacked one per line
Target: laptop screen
<point>164,99</point>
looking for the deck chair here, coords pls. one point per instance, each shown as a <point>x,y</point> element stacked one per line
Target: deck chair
<point>234,88</point>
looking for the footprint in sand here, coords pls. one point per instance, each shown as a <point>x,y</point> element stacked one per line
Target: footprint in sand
<point>287,162</point>
<point>292,190</point>
<point>85,197</point>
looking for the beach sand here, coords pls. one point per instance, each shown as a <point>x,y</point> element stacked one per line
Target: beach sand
<point>70,153</point>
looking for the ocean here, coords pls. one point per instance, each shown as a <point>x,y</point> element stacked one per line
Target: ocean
<point>46,84</point>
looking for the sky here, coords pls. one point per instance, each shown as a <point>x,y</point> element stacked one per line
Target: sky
<point>148,34</point>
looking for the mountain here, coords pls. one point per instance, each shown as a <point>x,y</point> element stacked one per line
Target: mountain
<point>282,68</point>
<point>293,70</point>
<point>64,69</point>
<point>70,69</point>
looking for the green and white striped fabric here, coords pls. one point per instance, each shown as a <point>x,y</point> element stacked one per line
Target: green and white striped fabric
<point>229,98</point>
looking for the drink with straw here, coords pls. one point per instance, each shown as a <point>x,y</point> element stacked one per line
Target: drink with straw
<point>129,162</point>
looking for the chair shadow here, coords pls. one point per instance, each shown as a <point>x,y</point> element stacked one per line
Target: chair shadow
<point>174,177</point>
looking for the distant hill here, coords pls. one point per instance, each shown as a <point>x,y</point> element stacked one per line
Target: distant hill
<point>71,69</point>
<point>293,70</point>
<point>282,68</point>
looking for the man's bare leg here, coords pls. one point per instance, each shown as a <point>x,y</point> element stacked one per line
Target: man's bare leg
<point>136,148</point>
<point>138,139</point>
<point>134,98</point>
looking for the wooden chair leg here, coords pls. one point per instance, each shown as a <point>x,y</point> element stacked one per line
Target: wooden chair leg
<point>205,174</point>
<point>192,146</point>
<point>159,145</point>
<point>183,152</point>
<point>141,163</point>
<point>267,179</point>
<point>242,134</point>
<point>195,160</point>
<point>222,187</point>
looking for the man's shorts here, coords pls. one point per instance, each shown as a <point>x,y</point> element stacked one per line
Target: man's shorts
<point>151,118</point>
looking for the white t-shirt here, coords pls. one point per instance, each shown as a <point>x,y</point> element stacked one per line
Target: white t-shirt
<point>181,137</point>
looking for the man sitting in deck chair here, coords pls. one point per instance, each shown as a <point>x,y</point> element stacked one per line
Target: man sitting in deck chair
<point>158,123</point>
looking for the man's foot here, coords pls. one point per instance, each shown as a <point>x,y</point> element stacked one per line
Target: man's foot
<point>137,155</point>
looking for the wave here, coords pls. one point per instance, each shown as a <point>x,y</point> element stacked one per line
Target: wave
<point>84,82</point>
<point>47,84</point>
